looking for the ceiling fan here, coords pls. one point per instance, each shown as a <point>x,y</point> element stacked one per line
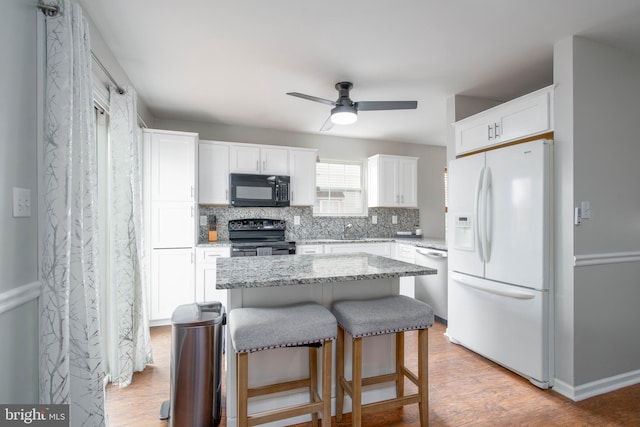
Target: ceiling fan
<point>345,110</point>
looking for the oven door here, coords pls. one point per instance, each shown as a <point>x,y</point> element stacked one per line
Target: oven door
<point>253,190</point>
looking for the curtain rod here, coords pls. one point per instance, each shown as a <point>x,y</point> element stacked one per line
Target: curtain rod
<point>107,73</point>
<point>49,10</point>
<point>53,10</point>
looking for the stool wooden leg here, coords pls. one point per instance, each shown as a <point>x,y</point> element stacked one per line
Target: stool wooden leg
<point>326,383</point>
<point>339,373</point>
<point>313,380</point>
<point>356,378</point>
<point>400,364</point>
<point>423,376</point>
<point>242,385</point>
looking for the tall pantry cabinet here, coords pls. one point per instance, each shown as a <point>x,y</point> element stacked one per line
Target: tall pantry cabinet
<point>170,210</point>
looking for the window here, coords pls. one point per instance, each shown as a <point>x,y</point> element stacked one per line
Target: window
<point>339,189</point>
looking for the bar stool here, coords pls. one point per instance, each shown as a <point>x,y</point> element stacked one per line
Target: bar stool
<point>256,329</point>
<point>389,315</point>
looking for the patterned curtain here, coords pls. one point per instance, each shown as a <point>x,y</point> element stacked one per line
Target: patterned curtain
<point>71,370</point>
<point>129,345</point>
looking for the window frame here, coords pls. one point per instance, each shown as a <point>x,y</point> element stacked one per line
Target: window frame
<point>363,189</point>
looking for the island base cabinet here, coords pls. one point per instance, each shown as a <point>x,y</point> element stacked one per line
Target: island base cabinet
<point>291,364</point>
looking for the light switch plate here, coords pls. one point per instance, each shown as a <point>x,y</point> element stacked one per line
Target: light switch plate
<point>21,202</point>
<point>374,219</point>
<point>394,219</point>
<point>586,209</point>
<point>296,220</point>
<point>203,220</point>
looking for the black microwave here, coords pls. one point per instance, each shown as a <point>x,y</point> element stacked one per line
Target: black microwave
<point>259,190</point>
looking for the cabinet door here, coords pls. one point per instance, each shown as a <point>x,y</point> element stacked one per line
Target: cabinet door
<point>172,281</point>
<point>380,249</point>
<point>526,117</point>
<point>244,159</point>
<point>474,134</point>
<point>388,182</point>
<point>172,224</point>
<point>206,274</point>
<point>309,249</point>
<point>408,182</point>
<point>213,173</point>
<point>302,168</point>
<point>173,158</point>
<point>274,161</point>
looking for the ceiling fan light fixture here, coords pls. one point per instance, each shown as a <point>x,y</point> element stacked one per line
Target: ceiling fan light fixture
<point>343,115</point>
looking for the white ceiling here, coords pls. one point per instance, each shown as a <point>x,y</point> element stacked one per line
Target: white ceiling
<point>233,61</point>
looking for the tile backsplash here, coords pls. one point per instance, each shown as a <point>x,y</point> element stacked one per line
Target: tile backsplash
<point>316,227</point>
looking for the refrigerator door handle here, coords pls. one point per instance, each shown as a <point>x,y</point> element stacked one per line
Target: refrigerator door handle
<point>478,210</point>
<point>479,286</point>
<point>487,219</point>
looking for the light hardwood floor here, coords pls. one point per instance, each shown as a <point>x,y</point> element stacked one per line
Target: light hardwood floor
<point>464,390</point>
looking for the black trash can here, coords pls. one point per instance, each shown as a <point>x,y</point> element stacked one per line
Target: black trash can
<point>197,339</point>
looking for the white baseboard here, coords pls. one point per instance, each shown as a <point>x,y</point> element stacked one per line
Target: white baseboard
<point>598,387</point>
<point>17,296</point>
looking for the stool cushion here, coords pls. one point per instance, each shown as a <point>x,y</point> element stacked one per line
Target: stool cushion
<point>361,318</point>
<point>254,329</point>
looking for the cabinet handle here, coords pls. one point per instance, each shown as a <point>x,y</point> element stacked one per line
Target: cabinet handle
<point>292,197</point>
<point>264,165</point>
<point>496,127</point>
<point>489,132</point>
<point>226,194</point>
<point>193,190</point>
<point>258,165</point>
<point>402,199</point>
<point>192,211</point>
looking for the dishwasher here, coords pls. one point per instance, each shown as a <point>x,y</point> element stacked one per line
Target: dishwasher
<point>432,289</point>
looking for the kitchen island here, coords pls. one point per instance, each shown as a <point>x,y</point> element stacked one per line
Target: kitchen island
<point>281,280</point>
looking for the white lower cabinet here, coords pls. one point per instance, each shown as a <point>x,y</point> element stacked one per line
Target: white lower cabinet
<point>406,253</point>
<point>309,249</point>
<point>206,274</point>
<point>377,248</point>
<point>172,281</point>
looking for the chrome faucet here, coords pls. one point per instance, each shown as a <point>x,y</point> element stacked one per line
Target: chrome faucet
<point>344,231</point>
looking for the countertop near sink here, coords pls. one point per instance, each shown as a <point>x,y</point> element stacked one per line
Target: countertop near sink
<point>423,242</point>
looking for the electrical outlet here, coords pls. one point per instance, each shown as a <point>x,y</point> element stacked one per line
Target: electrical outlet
<point>374,219</point>
<point>394,219</point>
<point>296,220</point>
<point>203,220</point>
<point>21,202</point>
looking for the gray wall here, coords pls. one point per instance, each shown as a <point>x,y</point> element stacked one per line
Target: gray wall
<point>18,143</point>
<point>431,163</point>
<point>598,92</point>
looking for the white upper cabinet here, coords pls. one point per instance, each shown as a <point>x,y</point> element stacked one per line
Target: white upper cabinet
<point>523,117</point>
<point>213,173</point>
<point>302,168</point>
<point>392,181</point>
<point>258,159</point>
<point>173,157</point>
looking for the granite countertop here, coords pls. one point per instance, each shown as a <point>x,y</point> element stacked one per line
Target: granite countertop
<point>256,272</point>
<point>423,242</point>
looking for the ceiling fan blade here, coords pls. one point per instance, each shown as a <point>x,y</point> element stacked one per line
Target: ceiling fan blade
<point>312,98</point>
<point>328,124</point>
<point>386,105</point>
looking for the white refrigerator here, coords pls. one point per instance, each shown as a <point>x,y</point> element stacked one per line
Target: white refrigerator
<point>500,258</point>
